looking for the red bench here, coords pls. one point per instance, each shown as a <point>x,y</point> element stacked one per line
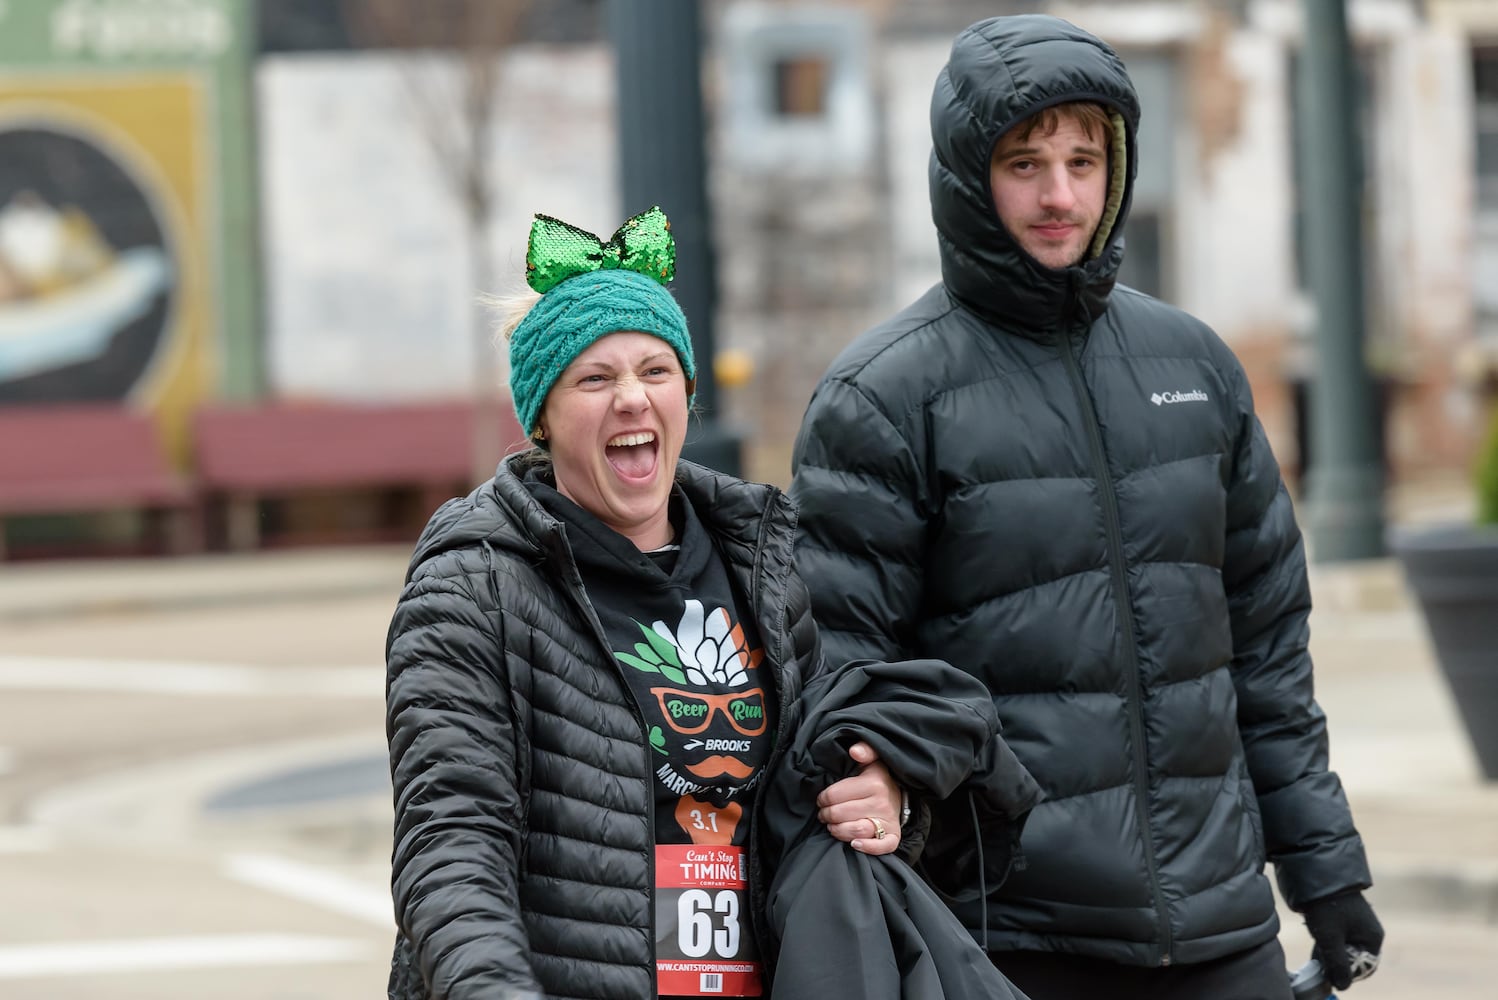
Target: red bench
<point>249,454</point>
<point>85,459</point>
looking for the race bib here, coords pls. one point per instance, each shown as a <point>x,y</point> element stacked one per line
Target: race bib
<point>703,944</point>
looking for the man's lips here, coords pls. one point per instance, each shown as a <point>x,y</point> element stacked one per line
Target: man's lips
<point>1055,230</point>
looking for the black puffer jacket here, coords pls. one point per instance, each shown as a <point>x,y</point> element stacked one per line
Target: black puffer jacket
<point>523,858</point>
<point>1061,487</point>
<point>847,925</point>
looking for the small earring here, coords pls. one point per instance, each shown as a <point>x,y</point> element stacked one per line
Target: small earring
<point>538,434</point>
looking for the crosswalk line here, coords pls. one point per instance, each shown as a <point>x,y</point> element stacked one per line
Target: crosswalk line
<point>24,839</point>
<point>88,958</point>
<point>42,673</point>
<point>318,886</point>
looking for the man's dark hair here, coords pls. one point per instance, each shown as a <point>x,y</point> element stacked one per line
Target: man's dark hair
<point>1093,118</point>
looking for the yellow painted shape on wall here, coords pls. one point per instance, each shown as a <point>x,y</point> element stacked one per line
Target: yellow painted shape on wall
<point>156,127</point>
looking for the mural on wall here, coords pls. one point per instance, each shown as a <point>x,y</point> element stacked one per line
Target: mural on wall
<point>87,280</point>
<point>127,209</point>
<point>104,292</point>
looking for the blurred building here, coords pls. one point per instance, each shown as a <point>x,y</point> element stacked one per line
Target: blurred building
<point>1216,221</point>
<point>272,183</point>
<point>819,139</point>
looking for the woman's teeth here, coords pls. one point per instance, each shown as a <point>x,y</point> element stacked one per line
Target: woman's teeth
<point>628,440</point>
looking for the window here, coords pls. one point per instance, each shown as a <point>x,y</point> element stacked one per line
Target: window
<point>799,89</point>
<point>1485,127</point>
<point>801,86</point>
<point>1146,233</point>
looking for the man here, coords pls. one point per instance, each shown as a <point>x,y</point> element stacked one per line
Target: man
<point>1060,486</point>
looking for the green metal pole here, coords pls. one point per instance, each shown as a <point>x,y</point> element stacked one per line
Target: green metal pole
<point>242,336</point>
<point>663,161</point>
<point>1344,485</point>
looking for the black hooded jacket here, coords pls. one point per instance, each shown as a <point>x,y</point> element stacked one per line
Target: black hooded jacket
<point>847,926</point>
<point>1060,486</point>
<point>524,844</point>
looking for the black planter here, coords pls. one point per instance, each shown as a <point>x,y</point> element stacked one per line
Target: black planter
<point>1453,572</point>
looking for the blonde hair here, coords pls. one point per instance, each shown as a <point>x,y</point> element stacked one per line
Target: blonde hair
<point>508,309</point>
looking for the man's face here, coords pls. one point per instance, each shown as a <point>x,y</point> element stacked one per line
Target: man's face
<point>1049,191</point>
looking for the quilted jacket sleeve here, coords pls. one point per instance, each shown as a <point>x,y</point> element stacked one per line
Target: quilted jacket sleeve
<point>862,533</point>
<point>1308,827</point>
<point>458,804</point>
<point>806,641</point>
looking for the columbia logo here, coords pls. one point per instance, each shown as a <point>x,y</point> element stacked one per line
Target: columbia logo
<point>1194,396</point>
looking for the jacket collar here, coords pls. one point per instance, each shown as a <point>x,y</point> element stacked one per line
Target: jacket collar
<point>738,513</point>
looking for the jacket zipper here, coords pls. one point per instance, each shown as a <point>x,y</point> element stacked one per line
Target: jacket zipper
<point>580,595</point>
<point>756,601</point>
<point>1126,622</point>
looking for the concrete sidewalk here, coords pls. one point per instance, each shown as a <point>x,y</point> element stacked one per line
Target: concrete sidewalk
<point>1428,817</point>
<point>1429,820</point>
<point>61,589</point>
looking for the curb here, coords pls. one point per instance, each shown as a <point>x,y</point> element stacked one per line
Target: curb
<point>49,591</point>
<point>1466,889</point>
<point>102,605</point>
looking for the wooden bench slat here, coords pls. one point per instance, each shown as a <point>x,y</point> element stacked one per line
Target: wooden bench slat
<point>285,447</point>
<point>74,458</point>
<point>247,454</point>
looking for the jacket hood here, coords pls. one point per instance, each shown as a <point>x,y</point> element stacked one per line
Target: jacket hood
<point>1001,71</point>
<point>492,512</point>
<point>503,512</point>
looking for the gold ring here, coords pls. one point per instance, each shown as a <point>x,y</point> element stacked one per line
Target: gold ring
<point>879,830</point>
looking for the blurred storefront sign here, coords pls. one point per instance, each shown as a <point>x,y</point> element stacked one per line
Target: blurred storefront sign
<point>126,271</point>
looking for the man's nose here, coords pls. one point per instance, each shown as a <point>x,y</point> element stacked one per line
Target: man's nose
<point>1056,192</point>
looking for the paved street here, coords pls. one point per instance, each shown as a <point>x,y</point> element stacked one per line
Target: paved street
<point>192,797</point>
<point>121,877</point>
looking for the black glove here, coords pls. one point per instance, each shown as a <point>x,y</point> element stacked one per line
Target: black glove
<point>1347,934</point>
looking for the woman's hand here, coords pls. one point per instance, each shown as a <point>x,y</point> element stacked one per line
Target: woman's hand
<point>857,809</point>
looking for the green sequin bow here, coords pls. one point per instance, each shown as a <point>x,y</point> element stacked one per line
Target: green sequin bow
<point>558,251</point>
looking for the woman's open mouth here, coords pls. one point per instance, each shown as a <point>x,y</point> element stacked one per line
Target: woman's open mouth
<point>633,456</point>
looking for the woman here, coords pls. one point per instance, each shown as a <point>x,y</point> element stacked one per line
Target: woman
<point>590,667</point>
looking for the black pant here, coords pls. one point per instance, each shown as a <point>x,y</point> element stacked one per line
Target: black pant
<point>1256,974</point>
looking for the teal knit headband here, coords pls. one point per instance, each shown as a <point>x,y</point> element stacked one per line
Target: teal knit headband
<point>578,309</point>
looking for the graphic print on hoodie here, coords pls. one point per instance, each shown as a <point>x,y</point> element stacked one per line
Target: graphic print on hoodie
<point>685,643</point>
<point>688,649</point>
